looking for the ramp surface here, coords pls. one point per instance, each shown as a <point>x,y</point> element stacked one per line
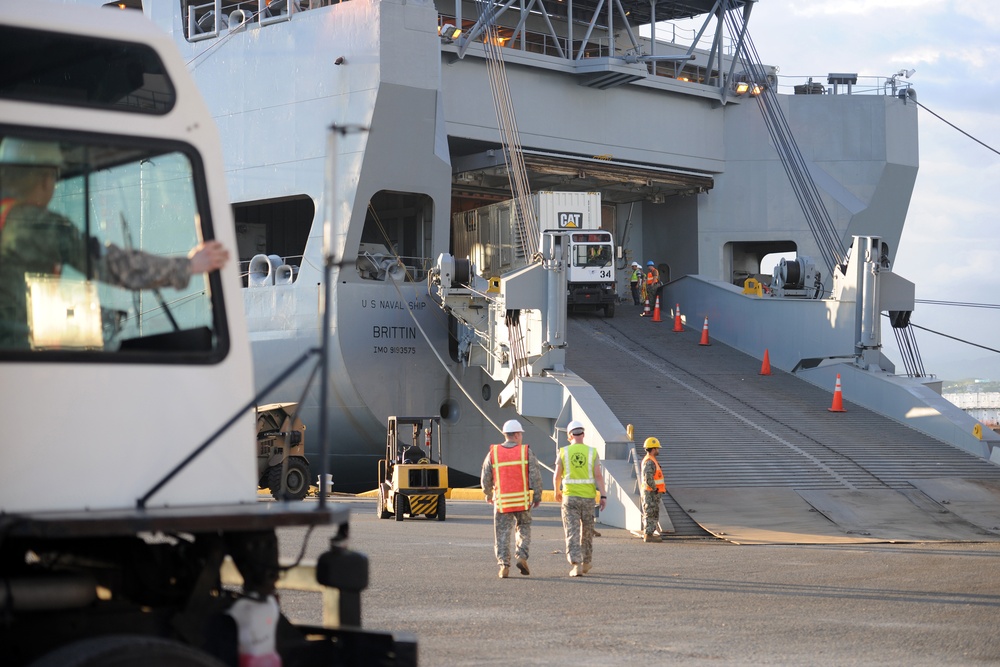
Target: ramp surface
<point>890,516</point>
<point>976,501</point>
<point>761,516</point>
<point>725,427</point>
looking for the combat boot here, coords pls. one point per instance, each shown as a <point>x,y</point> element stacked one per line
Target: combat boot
<point>522,565</point>
<point>577,571</point>
<point>504,571</point>
<point>652,538</point>
<point>586,568</point>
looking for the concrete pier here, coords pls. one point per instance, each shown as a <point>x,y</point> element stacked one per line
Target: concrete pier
<point>687,601</point>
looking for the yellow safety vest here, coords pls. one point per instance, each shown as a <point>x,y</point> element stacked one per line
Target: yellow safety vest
<point>511,488</point>
<point>661,487</point>
<point>578,470</point>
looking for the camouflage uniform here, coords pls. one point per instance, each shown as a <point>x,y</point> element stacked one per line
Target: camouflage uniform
<point>36,240</point>
<point>635,285</point>
<point>650,499</point>
<point>578,522</point>
<point>505,523</point>
<point>578,464</point>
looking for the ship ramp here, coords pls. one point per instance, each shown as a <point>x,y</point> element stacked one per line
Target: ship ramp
<point>757,458</point>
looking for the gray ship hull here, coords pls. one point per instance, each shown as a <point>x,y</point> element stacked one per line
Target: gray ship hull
<point>689,178</point>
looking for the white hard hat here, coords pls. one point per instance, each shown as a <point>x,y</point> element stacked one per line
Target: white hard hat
<point>635,264</point>
<point>512,426</point>
<point>14,150</point>
<point>574,426</point>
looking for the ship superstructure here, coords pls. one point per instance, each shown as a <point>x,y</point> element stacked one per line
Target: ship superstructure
<point>459,100</point>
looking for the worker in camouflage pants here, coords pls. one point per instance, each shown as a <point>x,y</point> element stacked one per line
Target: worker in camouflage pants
<point>652,486</point>
<point>512,483</point>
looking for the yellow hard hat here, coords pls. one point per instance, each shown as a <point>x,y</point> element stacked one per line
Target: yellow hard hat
<point>651,443</point>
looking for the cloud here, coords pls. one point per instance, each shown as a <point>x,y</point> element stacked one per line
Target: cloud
<point>855,8</point>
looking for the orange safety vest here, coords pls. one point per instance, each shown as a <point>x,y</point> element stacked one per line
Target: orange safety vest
<point>511,488</point>
<point>661,487</point>
<point>652,277</point>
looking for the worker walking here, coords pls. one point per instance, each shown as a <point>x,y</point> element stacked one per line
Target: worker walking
<point>653,285</point>
<point>576,480</point>
<point>512,483</point>
<point>653,486</point>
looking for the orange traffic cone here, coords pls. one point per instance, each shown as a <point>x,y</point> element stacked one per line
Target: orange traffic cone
<point>838,398</point>
<point>678,326</point>
<point>765,368</point>
<point>645,310</point>
<point>656,310</point>
<point>704,334</point>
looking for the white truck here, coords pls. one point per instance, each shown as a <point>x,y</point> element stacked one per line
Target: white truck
<point>489,237</point>
<point>128,502</point>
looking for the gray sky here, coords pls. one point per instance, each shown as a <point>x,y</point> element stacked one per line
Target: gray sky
<point>950,246</point>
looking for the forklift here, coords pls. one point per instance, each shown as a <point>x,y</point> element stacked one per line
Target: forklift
<point>411,480</point>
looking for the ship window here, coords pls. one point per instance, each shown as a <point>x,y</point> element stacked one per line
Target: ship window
<point>82,71</point>
<point>271,237</point>
<point>94,236</point>
<point>396,239</point>
<point>756,259</point>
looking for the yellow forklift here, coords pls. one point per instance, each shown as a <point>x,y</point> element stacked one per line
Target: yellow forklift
<point>412,481</point>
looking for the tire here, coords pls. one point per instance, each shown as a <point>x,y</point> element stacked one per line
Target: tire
<point>296,481</point>
<point>126,651</point>
<point>400,507</point>
<point>380,510</point>
<point>441,516</point>
<point>609,310</point>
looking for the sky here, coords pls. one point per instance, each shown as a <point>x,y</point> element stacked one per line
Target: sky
<point>950,247</point>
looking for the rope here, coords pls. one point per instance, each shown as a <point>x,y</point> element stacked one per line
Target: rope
<point>818,218</point>
<point>526,229</point>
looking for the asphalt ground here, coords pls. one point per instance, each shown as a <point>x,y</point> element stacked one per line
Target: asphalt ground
<point>687,601</point>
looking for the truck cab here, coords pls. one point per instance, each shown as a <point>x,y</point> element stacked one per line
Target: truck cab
<point>591,271</point>
<point>131,485</point>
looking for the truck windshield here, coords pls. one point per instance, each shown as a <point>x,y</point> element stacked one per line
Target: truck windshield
<point>592,254</point>
<point>94,239</point>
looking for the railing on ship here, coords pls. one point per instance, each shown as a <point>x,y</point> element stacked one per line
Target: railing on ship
<point>543,43</point>
<point>207,20</point>
<point>285,270</point>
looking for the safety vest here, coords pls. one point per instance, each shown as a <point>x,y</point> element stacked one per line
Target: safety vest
<point>578,470</point>
<point>636,276</point>
<point>657,476</point>
<point>652,277</point>
<point>511,488</point>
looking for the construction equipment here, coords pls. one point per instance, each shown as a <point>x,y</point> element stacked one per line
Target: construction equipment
<point>411,480</point>
<point>279,429</point>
